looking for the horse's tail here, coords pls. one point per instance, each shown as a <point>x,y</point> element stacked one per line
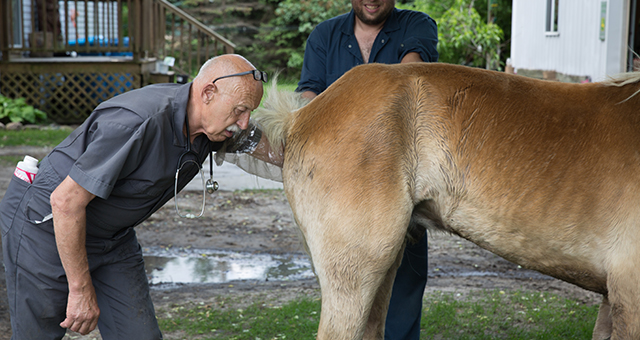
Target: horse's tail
<point>276,114</point>
<point>622,80</point>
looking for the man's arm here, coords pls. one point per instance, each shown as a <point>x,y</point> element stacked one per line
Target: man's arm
<point>253,142</point>
<point>263,152</point>
<point>411,57</point>
<point>309,95</point>
<point>68,205</point>
<point>313,79</point>
<point>421,36</point>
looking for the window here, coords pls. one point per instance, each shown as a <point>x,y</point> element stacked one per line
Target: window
<point>16,20</point>
<point>552,17</point>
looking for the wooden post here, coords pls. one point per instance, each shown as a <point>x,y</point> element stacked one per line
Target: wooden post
<point>135,25</point>
<point>5,27</point>
<point>147,26</point>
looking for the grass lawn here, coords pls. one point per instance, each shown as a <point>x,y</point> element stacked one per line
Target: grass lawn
<point>33,137</point>
<point>482,314</point>
<point>29,137</point>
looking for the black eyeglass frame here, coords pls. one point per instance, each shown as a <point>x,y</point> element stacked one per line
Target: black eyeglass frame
<point>257,75</point>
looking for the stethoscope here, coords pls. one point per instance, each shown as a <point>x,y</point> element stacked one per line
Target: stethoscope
<point>210,187</point>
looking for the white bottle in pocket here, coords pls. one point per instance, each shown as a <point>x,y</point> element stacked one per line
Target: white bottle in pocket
<point>27,169</point>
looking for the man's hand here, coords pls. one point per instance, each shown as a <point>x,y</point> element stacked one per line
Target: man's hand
<point>82,311</point>
<point>68,204</point>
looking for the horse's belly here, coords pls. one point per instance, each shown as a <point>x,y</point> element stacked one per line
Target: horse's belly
<point>569,255</point>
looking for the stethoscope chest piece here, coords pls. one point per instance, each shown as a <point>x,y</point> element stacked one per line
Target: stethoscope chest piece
<point>212,186</point>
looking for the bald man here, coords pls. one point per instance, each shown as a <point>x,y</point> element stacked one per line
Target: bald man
<point>71,255</point>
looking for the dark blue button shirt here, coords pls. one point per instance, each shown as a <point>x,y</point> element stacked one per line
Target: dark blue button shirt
<point>332,48</point>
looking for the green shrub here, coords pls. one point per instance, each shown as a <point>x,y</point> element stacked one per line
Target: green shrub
<point>17,110</point>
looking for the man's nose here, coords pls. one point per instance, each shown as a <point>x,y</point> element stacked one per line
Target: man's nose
<point>243,121</point>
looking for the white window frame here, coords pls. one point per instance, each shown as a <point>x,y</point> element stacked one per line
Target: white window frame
<point>16,7</point>
<point>551,24</point>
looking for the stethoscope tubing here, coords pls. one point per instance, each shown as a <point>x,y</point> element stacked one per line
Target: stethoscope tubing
<point>209,187</point>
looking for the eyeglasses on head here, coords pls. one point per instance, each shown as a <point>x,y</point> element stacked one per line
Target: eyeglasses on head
<point>257,75</point>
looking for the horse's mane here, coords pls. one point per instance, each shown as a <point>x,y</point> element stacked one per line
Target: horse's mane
<point>276,113</point>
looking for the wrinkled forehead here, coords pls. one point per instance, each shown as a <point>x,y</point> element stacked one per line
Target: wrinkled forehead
<point>247,92</point>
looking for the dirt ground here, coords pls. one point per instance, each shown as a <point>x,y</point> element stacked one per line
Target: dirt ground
<point>262,222</point>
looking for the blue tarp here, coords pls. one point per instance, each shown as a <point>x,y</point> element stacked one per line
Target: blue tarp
<point>102,42</point>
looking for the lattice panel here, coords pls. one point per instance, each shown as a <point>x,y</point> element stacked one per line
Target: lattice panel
<point>67,97</point>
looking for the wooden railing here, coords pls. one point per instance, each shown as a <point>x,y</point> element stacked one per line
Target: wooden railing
<point>36,28</point>
<point>181,36</point>
<point>139,29</point>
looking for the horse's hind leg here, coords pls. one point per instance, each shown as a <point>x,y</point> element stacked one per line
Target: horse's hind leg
<point>356,286</point>
<point>354,252</point>
<point>377,318</point>
<point>623,284</point>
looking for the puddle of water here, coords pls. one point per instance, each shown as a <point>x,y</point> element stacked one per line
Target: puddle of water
<point>205,266</point>
<point>184,266</point>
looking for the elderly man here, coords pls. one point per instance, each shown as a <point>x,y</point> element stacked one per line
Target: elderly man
<point>71,256</point>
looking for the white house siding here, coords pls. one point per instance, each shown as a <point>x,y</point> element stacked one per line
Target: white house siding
<point>577,49</point>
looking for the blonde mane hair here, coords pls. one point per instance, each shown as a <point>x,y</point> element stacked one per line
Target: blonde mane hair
<point>623,79</point>
<point>276,113</point>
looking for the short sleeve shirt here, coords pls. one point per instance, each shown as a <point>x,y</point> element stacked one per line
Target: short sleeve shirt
<point>332,48</point>
<point>127,152</point>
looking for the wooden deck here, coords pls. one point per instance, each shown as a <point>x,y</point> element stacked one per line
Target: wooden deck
<point>69,88</point>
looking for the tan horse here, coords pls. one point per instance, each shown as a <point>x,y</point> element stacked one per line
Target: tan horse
<point>544,174</point>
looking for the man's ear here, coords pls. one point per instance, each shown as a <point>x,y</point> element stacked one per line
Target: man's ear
<point>208,92</point>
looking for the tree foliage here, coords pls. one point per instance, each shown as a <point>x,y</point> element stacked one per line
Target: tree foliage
<point>500,15</point>
<point>463,36</point>
<point>463,32</point>
<point>287,32</point>
<point>302,16</point>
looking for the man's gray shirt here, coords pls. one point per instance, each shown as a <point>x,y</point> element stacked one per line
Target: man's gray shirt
<point>126,153</point>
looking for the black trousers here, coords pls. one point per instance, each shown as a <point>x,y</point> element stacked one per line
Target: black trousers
<point>405,307</point>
